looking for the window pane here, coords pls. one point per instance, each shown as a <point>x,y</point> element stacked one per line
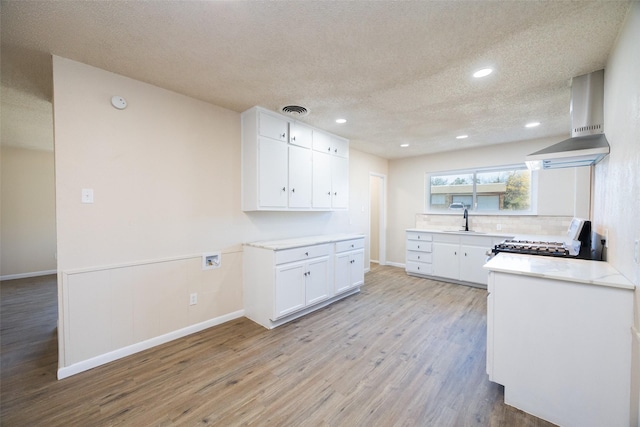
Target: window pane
<point>507,189</point>
<point>504,190</point>
<point>453,191</point>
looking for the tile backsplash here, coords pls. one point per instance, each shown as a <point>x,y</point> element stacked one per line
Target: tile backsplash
<point>516,224</point>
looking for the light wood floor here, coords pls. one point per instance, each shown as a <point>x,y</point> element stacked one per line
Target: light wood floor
<point>403,352</point>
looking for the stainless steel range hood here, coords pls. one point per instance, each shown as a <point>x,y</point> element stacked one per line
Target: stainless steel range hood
<point>587,144</point>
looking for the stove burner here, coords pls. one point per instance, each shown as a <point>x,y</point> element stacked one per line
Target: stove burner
<point>532,247</point>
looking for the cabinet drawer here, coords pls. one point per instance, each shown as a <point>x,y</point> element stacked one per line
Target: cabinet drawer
<point>418,267</point>
<point>349,245</point>
<point>415,245</point>
<point>419,256</point>
<point>416,235</point>
<point>302,253</point>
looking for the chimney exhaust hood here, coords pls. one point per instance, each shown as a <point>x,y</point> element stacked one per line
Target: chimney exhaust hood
<point>587,145</point>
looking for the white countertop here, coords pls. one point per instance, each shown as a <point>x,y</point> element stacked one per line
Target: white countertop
<point>277,245</point>
<point>567,269</point>
<point>462,232</point>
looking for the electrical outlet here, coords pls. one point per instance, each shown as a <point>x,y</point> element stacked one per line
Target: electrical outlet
<point>193,299</point>
<point>498,227</point>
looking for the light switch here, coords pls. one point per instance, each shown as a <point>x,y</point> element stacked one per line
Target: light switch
<point>87,195</point>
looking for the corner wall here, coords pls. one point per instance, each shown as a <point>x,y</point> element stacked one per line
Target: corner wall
<point>617,177</point>
<point>166,178</point>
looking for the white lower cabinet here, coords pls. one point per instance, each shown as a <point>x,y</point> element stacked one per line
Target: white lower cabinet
<point>452,256</point>
<point>281,283</point>
<point>349,265</point>
<point>562,349</point>
<point>300,284</point>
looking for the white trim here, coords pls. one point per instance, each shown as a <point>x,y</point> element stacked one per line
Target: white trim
<point>25,275</point>
<point>396,264</point>
<point>382,210</point>
<point>141,262</point>
<point>102,359</point>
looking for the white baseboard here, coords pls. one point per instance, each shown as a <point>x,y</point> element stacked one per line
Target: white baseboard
<point>25,275</point>
<point>102,359</point>
<point>396,264</point>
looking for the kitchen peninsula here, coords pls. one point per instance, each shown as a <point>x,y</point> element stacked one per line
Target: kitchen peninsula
<point>559,338</point>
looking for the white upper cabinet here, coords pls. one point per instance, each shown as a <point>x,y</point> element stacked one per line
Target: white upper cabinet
<point>282,168</point>
<point>299,177</point>
<point>273,127</point>
<point>300,134</point>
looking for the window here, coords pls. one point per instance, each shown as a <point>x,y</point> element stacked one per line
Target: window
<point>507,189</point>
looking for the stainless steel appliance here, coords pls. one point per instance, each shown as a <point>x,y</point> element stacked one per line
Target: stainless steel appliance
<point>577,243</point>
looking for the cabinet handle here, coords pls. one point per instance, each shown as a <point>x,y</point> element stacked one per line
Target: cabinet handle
<point>418,237</point>
<point>305,273</point>
<point>306,253</point>
<point>351,245</point>
<point>335,150</point>
<point>418,256</point>
<point>283,135</point>
<point>418,246</point>
<point>293,138</point>
<point>455,253</point>
<point>329,193</point>
<point>329,149</point>
<point>335,194</point>
<point>465,254</point>
<point>284,189</point>
<point>293,190</point>
<point>308,273</point>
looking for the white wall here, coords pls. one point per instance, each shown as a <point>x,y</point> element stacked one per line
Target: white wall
<point>562,192</point>
<point>28,213</point>
<point>166,178</point>
<point>617,177</point>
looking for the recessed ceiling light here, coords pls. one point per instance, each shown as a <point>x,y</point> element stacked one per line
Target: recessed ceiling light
<point>404,145</point>
<point>532,124</point>
<point>462,136</point>
<point>482,73</point>
<point>341,121</point>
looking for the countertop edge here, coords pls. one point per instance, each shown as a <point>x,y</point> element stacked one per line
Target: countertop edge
<point>278,245</point>
<point>461,232</point>
<point>612,278</point>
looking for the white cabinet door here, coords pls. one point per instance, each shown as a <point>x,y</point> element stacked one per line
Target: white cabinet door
<point>321,193</point>
<point>317,280</point>
<point>472,258</point>
<point>290,289</point>
<point>300,135</point>
<point>339,147</point>
<point>321,142</point>
<point>341,269</point>
<point>299,177</point>
<point>272,178</point>
<point>339,182</point>
<point>273,127</point>
<point>445,260</point>
<point>356,264</point>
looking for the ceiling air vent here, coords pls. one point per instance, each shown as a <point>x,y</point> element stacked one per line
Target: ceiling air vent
<point>295,110</point>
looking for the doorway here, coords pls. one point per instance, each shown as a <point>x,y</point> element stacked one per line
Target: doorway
<point>377,219</point>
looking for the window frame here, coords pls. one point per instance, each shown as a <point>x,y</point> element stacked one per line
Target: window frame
<point>533,191</point>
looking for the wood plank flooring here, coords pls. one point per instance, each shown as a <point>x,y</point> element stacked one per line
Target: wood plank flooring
<point>403,352</point>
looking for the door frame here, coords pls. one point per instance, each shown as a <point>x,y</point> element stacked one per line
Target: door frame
<point>382,211</point>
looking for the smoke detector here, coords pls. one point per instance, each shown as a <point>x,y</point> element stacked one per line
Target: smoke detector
<point>294,110</point>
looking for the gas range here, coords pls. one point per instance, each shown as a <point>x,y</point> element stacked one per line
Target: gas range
<point>576,244</point>
<point>531,247</point>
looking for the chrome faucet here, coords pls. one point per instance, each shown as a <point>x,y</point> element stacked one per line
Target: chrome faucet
<point>465,215</point>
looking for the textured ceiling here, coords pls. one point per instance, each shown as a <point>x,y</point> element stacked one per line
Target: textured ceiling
<point>398,71</point>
